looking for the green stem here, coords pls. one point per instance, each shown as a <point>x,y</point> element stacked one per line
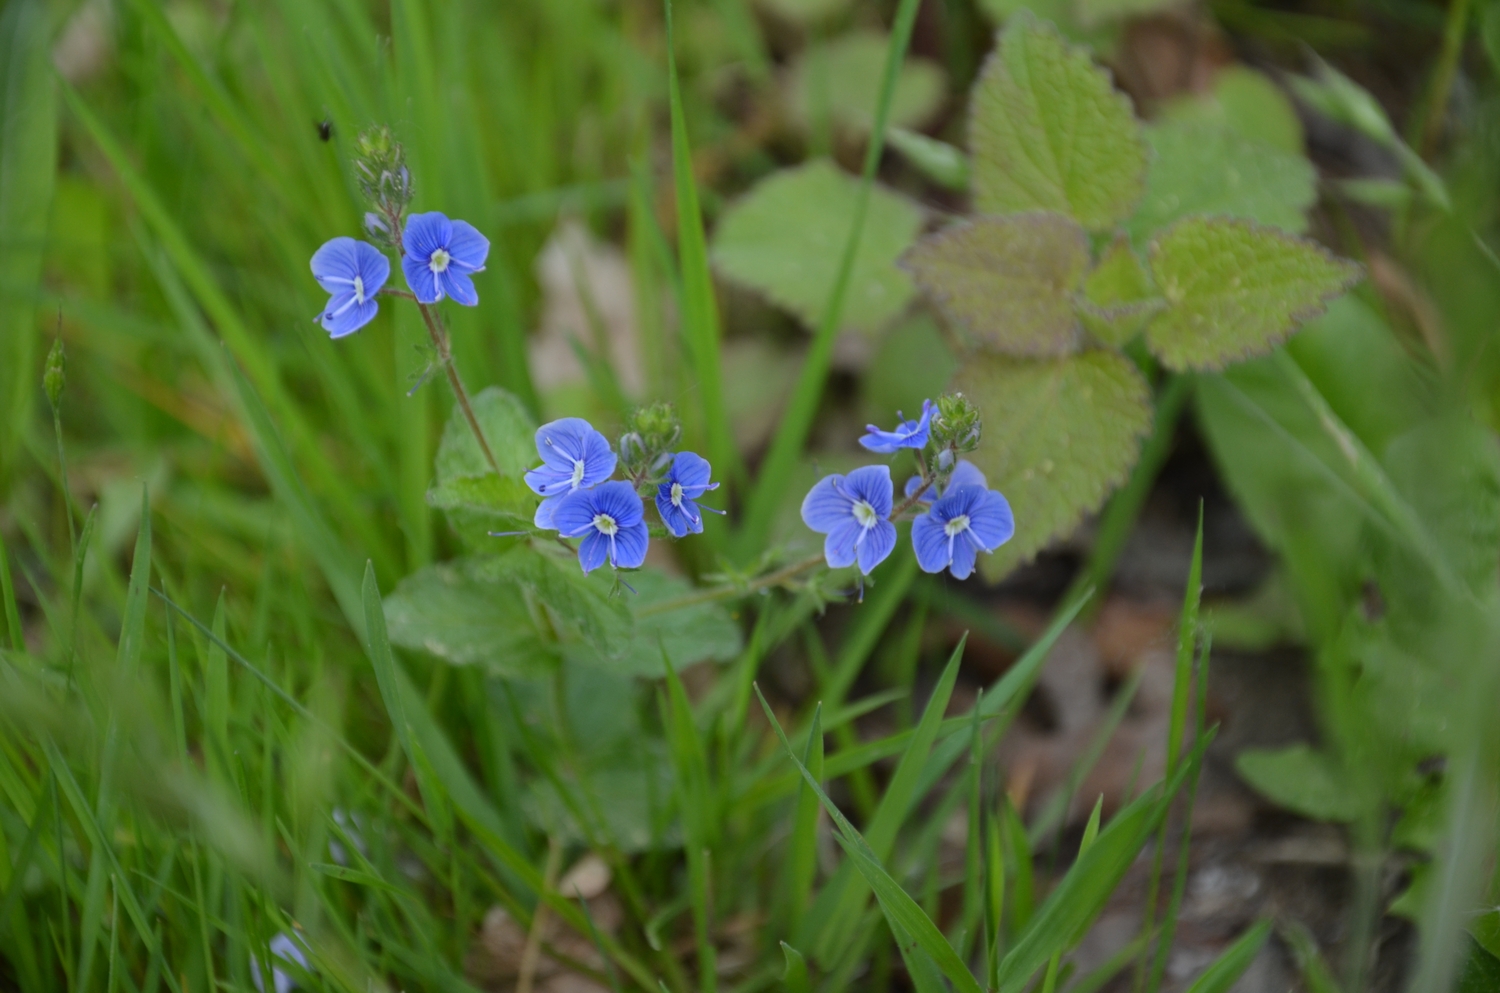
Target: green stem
<point>445,358</point>
<point>1454,30</point>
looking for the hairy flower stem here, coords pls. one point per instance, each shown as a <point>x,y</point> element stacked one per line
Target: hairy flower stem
<point>445,358</point>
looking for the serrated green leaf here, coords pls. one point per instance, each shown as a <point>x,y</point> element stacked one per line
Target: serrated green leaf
<point>1058,436</point>
<point>1206,168</point>
<point>1302,780</point>
<point>1007,282</point>
<point>840,81</point>
<point>1050,132</point>
<point>1118,296</point>
<point>1248,103</point>
<point>793,264</point>
<point>475,500</point>
<point>1235,289</point>
<point>697,632</point>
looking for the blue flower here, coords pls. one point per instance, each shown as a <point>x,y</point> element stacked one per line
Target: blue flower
<point>853,510</point>
<point>965,473</point>
<point>908,434</point>
<point>574,456</point>
<point>283,949</point>
<point>676,497</point>
<point>612,522</point>
<point>353,272</point>
<point>964,521</point>
<point>440,255</point>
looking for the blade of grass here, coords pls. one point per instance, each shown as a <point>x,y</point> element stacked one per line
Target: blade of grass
<point>696,804</point>
<point>801,867</point>
<point>901,910</point>
<point>791,434</point>
<point>1227,969</point>
<point>8,595</point>
<point>700,309</point>
<point>28,165</point>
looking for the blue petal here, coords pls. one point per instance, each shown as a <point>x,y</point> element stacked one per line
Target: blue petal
<point>882,442</point>
<point>459,286</point>
<point>908,434</point>
<point>335,264</point>
<point>549,482</point>
<point>839,548</point>
<point>546,512</point>
<point>425,234</point>
<point>966,473</point>
<point>468,247</point>
<point>930,543</point>
<point>630,546</point>
<point>679,521</point>
<point>351,319</point>
<point>827,507</point>
<point>879,542</point>
<point>872,484</point>
<point>598,458</point>
<point>619,500</point>
<point>911,487</point>
<point>421,279</point>
<point>963,557</point>
<point>593,551</point>
<point>574,514</point>
<point>692,471</point>
<point>991,521</point>
<point>374,267</point>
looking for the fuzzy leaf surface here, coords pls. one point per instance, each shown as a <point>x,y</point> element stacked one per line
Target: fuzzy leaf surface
<point>1236,289</point>
<point>1008,282</point>
<point>1050,132</point>
<point>840,81</point>
<point>697,633</point>
<point>466,489</point>
<point>1059,435</point>
<point>1118,296</point>
<point>784,239</point>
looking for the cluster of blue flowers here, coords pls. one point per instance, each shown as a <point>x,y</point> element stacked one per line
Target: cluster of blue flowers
<point>438,256</point>
<point>963,516</point>
<point>580,499</point>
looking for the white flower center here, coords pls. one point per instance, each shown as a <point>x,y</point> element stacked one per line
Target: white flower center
<point>957,526</point>
<point>677,495</point>
<point>359,289</point>
<point>605,525</point>
<point>577,472</point>
<point>439,260</point>
<point>865,514</point>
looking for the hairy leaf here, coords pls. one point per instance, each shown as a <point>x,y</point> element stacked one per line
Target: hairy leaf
<point>840,81</point>
<point>1207,168</point>
<point>1118,296</point>
<point>1058,436</point>
<point>1248,103</point>
<point>1008,282</point>
<point>1235,289</point>
<point>474,498</point>
<point>1050,132</point>
<point>693,633</point>
<point>785,237</point>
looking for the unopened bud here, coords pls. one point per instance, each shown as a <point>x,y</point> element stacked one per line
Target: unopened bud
<point>650,434</point>
<point>56,375</point>
<point>380,167</point>
<point>957,425</point>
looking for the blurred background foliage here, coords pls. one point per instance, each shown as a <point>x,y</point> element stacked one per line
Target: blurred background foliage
<point>199,753</point>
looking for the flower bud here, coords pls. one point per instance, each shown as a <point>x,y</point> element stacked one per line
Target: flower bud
<point>650,434</point>
<point>380,167</point>
<point>56,375</point>
<point>957,424</point>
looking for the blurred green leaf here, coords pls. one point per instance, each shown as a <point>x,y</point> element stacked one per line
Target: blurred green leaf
<point>475,499</point>
<point>1050,132</point>
<point>1481,970</point>
<point>804,12</point>
<point>937,160</point>
<point>1058,436</point>
<point>1301,779</point>
<point>1227,969</point>
<point>839,81</point>
<point>28,165</point>
<point>1118,296</point>
<point>1008,282</point>
<point>663,620</point>
<point>1235,289</point>
<point>795,977</point>
<point>623,799</point>
<point>1203,168</point>
<point>911,364</point>
<point>1246,102</point>
<point>785,237</point>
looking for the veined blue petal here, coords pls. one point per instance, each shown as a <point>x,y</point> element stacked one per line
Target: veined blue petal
<point>630,546</point>
<point>963,556</point>
<point>374,267</point>
<point>459,286</point>
<point>593,551</point>
<point>908,434</point>
<point>349,318</point>
<point>878,543</point>
<point>425,234</point>
<point>423,282</point>
<point>991,521</point>
<point>827,507</point>
<point>599,458</point>
<point>966,473</point>
<point>930,543</point>
<point>839,548</point>
<point>620,501</point>
<point>912,486</point>
<point>546,512</point>
<point>872,484</point>
<point>574,514</point>
<point>468,247</point>
<point>693,472</point>
<point>680,521</point>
